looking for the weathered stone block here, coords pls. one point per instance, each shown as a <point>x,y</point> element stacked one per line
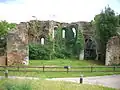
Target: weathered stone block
<point>113,51</point>
<point>17,45</point>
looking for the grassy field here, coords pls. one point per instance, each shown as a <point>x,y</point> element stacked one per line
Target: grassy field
<point>61,62</point>
<point>46,85</point>
<point>64,62</point>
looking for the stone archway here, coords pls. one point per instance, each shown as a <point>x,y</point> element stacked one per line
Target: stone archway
<point>90,49</point>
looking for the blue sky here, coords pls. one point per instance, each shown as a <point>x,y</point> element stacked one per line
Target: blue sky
<point>59,10</point>
<point>3,1</point>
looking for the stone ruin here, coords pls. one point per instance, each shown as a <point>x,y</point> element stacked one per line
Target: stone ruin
<point>17,45</point>
<point>25,32</point>
<point>113,51</point>
<point>34,31</point>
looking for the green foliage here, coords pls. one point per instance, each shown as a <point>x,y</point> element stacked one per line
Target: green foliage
<point>79,44</point>
<point>60,50</point>
<point>119,19</point>
<point>106,23</point>
<point>5,27</point>
<point>69,36</point>
<point>2,45</point>
<point>37,51</point>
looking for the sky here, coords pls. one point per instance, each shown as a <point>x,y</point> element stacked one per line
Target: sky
<point>59,10</point>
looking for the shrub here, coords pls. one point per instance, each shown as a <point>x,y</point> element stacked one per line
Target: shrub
<point>39,52</point>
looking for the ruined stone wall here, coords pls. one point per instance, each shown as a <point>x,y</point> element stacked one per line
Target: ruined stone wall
<point>32,32</point>
<point>17,45</point>
<point>45,28</point>
<point>38,29</point>
<point>113,51</point>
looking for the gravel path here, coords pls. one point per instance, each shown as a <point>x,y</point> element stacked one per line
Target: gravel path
<point>112,81</point>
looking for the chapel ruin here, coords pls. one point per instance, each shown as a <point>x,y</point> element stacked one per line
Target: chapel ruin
<point>35,31</point>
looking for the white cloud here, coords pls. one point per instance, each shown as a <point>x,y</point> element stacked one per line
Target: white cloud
<point>60,10</point>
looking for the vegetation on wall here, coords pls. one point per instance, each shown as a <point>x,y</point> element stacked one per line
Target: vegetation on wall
<point>79,44</point>
<point>59,44</point>
<point>105,25</point>
<point>71,45</point>
<point>59,47</point>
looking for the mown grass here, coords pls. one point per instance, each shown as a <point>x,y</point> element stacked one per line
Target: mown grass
<point>46,85</point>
<point>62,62</point>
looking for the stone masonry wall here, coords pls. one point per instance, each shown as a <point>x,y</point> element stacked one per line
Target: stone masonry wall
<point>113,51</point>
<point>17,45</point>
<point>32,31</point>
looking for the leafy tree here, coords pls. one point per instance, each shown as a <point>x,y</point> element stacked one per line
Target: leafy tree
<point>119,19</point>
<point>106,26</point>
<point>4,28</point>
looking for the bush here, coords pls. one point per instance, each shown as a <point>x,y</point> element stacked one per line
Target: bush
<point>62,53</point>
<point>39,52</point>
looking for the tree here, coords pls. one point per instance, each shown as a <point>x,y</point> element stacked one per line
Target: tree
<point>4,28</point>
<point>106,26</point>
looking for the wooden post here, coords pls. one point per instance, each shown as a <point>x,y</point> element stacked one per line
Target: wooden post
<point>114,68</point>
<point>6,73</point>
<point>67,70</point>
<point>43,68</point>
<point>81,79</point>
<point>91,69</point>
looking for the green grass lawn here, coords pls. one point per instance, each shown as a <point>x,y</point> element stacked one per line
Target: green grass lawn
<point>46,85</point>
<point>62,62</point>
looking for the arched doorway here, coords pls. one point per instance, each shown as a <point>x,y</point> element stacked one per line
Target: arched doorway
<point>90,49</point>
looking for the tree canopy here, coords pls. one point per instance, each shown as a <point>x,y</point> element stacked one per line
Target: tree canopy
<point>5,27</point>
<point>106,26</point>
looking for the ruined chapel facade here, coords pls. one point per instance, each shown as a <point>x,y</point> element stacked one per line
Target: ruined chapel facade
<point>36,31</point>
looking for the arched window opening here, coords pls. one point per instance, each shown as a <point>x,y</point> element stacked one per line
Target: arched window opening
<point>63,33</point>
<point>42,41</point>
<point>55,31</point>
<point>90,49</point>
<point>74,31</point>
